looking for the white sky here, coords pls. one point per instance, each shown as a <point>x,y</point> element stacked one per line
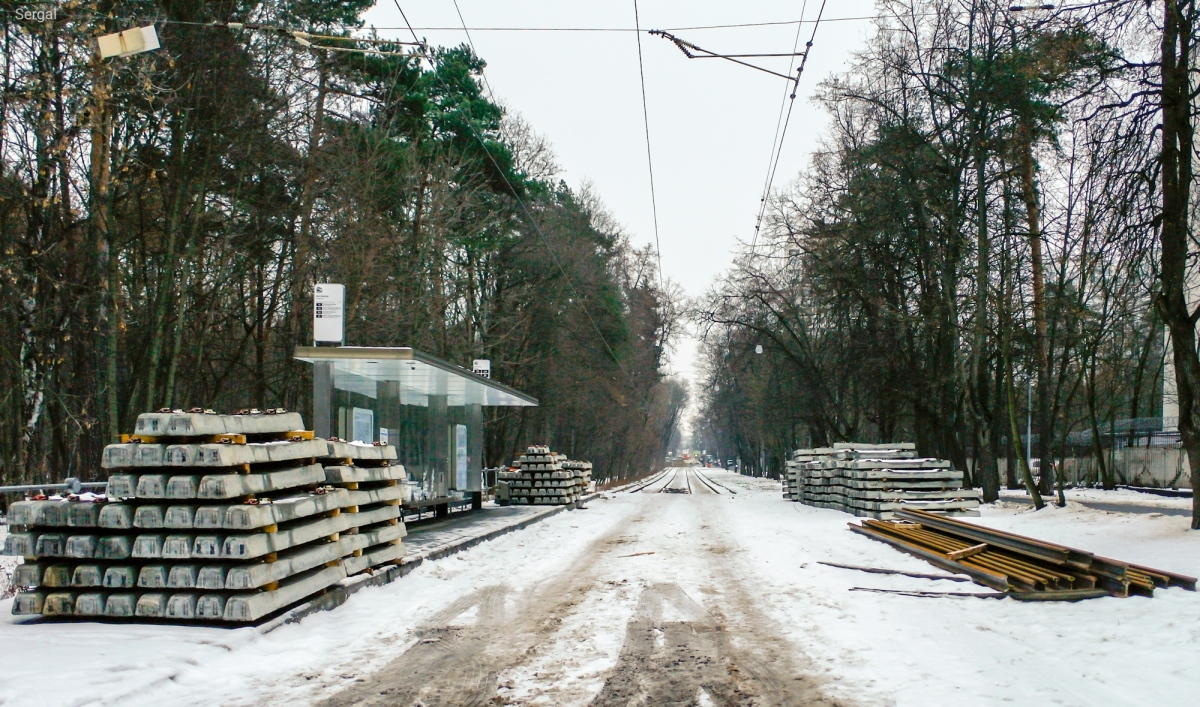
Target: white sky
<point>711,121</point>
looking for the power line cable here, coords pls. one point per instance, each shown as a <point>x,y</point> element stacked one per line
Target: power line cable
<point>483,75</point>
<point>740,25</point>
<point>649,157</point>
<point>529,212</point>
<point>783,135</point>
<point>775,142</point>
<point>693,51</point>
<point>351,28</point>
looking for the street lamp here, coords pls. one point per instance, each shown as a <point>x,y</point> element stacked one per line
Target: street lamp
<point>128,42</point>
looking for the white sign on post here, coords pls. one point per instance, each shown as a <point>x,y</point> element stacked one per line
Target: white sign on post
<point>329,304</point>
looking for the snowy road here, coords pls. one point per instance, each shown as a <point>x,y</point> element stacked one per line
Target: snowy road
<point>679,625</point>
<point>663,598</point>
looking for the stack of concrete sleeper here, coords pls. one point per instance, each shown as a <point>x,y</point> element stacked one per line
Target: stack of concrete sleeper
<point>821,487</point>
<point>876,480</point>
<point>582,472</point>
<point>374,486</point>
<point>542,480</point>
<point>797,471</point>
<point>208,517</point>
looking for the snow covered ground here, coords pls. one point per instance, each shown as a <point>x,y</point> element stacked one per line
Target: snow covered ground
<point>1116,496</point>
<point>901,650</point>
<point>558,613</point>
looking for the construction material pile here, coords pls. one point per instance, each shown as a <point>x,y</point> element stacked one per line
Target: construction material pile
<point>876,480</point>
<point>796,476</point>
<point>1021,566</point>
<point>375,487</point>
<point>545,478</point>
<point>212,518</point>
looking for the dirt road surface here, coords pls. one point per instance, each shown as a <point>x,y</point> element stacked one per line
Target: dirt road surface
<point>700,587</point>
<point>661,590</point>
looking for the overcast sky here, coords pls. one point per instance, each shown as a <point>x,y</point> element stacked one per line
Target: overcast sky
<point>711,122</point>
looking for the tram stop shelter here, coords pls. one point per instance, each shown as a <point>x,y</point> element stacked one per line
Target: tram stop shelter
<point>430,410</point>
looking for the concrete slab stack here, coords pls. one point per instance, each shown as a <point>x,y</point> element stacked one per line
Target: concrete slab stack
<point>210,517</point>
<point>545,478</point>
<point>375,486</point>
<point>797,468</point>
<point>875,481</point>
<point>583,474</point>
<point>823,486</point>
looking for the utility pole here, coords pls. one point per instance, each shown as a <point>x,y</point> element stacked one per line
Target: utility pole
<point>1029,425</point>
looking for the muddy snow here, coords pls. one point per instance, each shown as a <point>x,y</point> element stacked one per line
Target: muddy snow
<point>695,596</point>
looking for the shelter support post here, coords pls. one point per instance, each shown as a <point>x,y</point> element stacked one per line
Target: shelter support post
<point>322,399</point>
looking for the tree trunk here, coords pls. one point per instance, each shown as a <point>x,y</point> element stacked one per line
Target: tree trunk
<point>302,248</point>
<point>1097,445</point>
<point>106,260</point>
<point>1033,215</point>
<point>987,476</point>
<point>1014,433</point>
<point>1171,300</point>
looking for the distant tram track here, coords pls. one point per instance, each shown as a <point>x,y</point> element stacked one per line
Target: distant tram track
<point>710,483</point>
<point>654,480</point>
<point>706,482</point>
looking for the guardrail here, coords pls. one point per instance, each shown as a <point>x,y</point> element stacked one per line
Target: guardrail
<point>71,485</point>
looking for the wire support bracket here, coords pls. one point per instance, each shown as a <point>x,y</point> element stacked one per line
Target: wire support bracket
<point>692,51</point>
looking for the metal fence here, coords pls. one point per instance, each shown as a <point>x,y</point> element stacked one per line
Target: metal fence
<point>1154,466</point>
<point>1117,434</point>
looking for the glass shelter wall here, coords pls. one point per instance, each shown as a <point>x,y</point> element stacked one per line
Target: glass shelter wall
<point>430,410</point>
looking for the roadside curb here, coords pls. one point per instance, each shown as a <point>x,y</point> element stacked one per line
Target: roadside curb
<point>338,594</point>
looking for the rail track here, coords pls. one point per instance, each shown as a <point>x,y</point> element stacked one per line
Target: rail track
<point>650,482</point>
<point>670,481</point>
<point>711,483</point>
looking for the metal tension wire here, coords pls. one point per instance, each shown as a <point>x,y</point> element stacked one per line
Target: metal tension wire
<point>690,51</point>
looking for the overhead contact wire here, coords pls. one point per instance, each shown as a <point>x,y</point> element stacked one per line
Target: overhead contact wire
<point>491,93</point>
<point>783,135</point>
<point>775,142</point>
<point>649,157</point>
<point>525,207</point>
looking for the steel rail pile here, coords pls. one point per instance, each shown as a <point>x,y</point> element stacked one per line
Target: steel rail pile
<point>545,478</point>
<point>208,518</point>
<point>1024,567</point>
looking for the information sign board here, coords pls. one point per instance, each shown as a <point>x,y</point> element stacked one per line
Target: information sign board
<point>329,306</point>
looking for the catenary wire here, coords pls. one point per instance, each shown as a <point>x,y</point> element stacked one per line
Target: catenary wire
<point>787,120</point>
<point>529,212</point>
<point>740,25</point>
<point>775,143</point>
<point>483,74</point>
<point>414,30</point>
<point>649,157</point>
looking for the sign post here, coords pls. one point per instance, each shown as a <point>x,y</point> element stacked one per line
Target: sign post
<point>329,306</point>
